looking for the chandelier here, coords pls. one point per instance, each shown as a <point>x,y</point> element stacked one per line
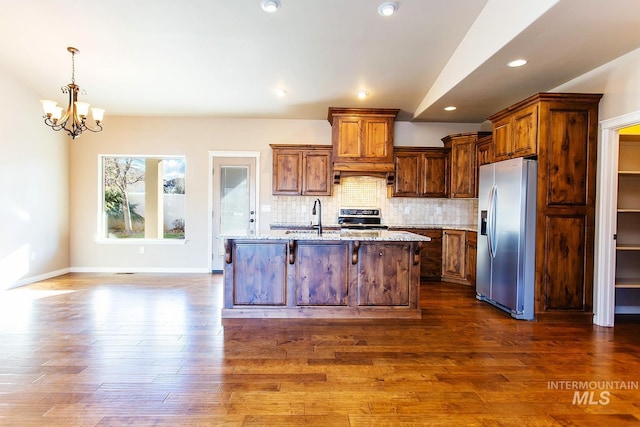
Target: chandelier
<point>72,120</point>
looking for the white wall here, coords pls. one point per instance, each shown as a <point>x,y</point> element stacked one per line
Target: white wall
<point>192,138</point>
<point>34,200</point>
<point>618,80</point>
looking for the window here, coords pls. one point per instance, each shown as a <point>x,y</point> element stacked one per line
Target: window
<point>143,197</point>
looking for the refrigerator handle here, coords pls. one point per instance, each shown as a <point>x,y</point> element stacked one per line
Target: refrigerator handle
<point>494,220</point>
<point>491,222</point>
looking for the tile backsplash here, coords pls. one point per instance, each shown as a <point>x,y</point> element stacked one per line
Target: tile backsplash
<point>373,192</point>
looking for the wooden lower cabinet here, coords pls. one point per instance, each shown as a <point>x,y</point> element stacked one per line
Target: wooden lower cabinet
<point>431,253</point>
<point>322,274</point>
<point>384,274</point>
<point>453,255</point>
<point>459,255</point>
<point>268,285</point>
<point>471,256</point>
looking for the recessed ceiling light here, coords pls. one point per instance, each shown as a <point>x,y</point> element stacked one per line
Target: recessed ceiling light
<point>388,8</point>
<point>449,108</point>
<point>362,94</point>
<point>517,63</point>
<point>280,92</point>
<point>270,5</point>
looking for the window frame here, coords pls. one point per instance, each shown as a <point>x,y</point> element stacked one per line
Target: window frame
<point>101,218</point>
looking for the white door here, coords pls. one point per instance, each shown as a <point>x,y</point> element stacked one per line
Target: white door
<point>234,202</point>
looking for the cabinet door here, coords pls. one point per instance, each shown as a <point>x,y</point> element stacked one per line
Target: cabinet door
<point>375,139</point>
<point>484,150</point>
<point>471,261</point>
<point>384,273</point>
<point>347,131</point>
<point>316,173</point>
<point>525,132</point>
<point>287,170</point>
<point>267,284</point>
<point>435,174</point>
<point>453,254</point>
<point>430,255</point>
<point>409,176</point>
<point>502,139</point>
<point>463,166</point>
<point>321,273</point>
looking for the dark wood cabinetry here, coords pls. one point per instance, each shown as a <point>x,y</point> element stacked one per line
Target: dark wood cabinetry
<point>459,249</point>
<point>431,253</point>
<point>268,285</point>
<point>301,170</point>
<point>561,128</point>
<point>471,256</point>
<point>484,150</point>
<point>362,140</point>
<point>322,278</point>
<point>453,255</point>
<point>464,167</point>
<point>515,134</point>
<point>322,273</point>
<point>420,172</point>
<point>384,274</point>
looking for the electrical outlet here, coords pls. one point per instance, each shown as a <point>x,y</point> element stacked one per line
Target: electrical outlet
<point>141,249</point>
<point>438,210</point>
<point>407,209</point>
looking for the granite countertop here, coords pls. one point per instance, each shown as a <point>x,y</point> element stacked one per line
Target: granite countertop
<point>380,235</point>
<point>464,227</point>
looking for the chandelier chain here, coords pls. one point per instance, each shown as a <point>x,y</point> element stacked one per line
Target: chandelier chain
<point>73,67</point>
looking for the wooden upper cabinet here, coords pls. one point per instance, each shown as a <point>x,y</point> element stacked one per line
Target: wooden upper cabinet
<point>362,140</point>
<point>484,150</point>
<point>287,171</point>
<point>316,172</point>
<point>464,166</point>
<point>420,172</point>
<point>301,170</point>
<point>515,135</point>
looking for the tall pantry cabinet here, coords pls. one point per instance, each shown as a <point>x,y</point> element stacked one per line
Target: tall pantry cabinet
<point>561,130</point>
<point>628,227</point>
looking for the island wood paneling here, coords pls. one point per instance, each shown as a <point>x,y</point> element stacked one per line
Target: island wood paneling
<point>267,283</point>
<point>322,274</point>
<point>384,274</point>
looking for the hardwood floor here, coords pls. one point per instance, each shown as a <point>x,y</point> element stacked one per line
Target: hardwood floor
<point>151,350</point>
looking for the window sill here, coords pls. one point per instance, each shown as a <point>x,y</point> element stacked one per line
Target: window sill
<point>169,242</point>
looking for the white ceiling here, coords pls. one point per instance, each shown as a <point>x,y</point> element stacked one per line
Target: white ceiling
<point>224,58</point>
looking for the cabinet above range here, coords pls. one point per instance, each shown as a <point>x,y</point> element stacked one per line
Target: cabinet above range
<point>362,140</point>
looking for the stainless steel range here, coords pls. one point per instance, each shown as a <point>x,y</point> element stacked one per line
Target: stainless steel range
<point>361,219</point>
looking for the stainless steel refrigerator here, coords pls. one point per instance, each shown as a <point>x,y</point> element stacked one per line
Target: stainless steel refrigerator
<point>506,236</point>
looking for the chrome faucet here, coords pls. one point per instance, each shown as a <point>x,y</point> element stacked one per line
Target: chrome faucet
<point>313,212</point>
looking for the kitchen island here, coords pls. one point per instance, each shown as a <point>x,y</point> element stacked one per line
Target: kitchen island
<point>339,274</point>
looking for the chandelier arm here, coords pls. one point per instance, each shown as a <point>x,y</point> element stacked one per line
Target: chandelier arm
<point>71,121</point>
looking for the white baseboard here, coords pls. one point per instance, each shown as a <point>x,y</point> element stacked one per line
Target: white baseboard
<point>137,270</point>
<point>38,278</point>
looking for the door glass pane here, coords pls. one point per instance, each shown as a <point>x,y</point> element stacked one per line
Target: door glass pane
<point>234,200</point>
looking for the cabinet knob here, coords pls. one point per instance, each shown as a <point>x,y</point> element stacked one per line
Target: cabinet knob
<point>380,254</point>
